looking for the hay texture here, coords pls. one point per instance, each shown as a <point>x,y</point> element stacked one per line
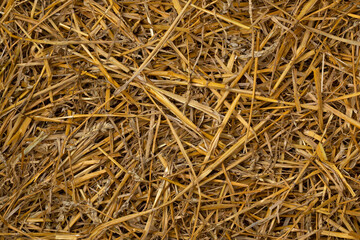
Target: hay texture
<point>179,119</point>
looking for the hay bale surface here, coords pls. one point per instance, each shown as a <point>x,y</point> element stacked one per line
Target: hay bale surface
<point>179,119</point>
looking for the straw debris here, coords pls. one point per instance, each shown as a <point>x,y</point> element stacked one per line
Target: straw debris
<point>179,119</point>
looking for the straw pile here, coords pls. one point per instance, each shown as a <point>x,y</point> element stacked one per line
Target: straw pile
<point>179,119</point>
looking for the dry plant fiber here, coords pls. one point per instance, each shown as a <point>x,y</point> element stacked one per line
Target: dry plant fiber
<point>179,119</point>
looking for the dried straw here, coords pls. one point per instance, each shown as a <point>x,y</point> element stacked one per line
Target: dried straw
<point>179,119</point>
